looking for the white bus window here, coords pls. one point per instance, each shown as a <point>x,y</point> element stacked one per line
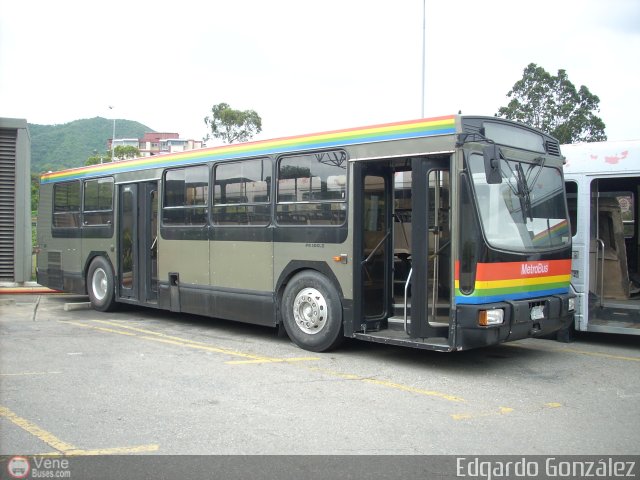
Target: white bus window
<point>626,202</point>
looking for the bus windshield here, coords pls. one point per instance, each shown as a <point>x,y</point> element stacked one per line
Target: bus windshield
<point>526,211</point>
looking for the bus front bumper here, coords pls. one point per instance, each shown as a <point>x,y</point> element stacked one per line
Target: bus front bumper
<point>532,317</point>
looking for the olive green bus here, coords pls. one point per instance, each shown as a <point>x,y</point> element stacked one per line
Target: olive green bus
<point>444,233</point>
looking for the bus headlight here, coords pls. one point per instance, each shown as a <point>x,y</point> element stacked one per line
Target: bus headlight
<point>495,316</point>
<point>572,304</point>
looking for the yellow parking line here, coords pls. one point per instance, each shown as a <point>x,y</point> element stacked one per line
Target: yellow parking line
<point>63,447</point>
<point>388,384</point>
<point>199,346</point>
<point>163,338</point>
<point>575,350</point>
<point>106,451</point>
<point>273,360</point>
<point>603,355</point>
<point>76,323</point>
<point>185,342</point>
<point>111,330</point>
<point>498,412</point>
<point>255,359</point>
<point>468,416</point>
<point>47,437</point>
<point>420,391</point>
<point>153,447</point>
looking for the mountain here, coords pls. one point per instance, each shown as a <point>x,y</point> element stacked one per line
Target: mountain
<point>55,147</point>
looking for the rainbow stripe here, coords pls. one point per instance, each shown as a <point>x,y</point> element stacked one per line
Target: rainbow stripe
<point>376,133</point>
<point>561,229</point>
<point>497,282</point>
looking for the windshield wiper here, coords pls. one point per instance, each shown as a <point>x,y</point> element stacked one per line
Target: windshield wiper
<point>540,166</point>
<point>520,189</point>
<point>524,192</point>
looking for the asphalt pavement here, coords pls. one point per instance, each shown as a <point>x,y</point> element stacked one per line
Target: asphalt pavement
<point>74,381</point>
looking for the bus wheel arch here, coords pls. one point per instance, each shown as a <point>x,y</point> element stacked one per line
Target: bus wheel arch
<point>311,311</point>
<point>90,257</point>
<point>100,281</point>
<point>293,268</point>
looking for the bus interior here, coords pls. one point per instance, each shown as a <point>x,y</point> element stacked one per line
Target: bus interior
<point>390,280</point>
<point>614,252</point>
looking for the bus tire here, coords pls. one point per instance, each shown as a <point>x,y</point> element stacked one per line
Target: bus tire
<point>312,312</point>
<point>100,285</point>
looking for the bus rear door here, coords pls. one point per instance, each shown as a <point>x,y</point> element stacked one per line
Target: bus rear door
<point>138,243</point>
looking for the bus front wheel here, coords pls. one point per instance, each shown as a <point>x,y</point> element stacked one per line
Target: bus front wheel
<point>100,285</point>
<point>312,312</point>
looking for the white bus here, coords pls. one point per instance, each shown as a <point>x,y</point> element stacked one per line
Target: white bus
<point>603,186</point>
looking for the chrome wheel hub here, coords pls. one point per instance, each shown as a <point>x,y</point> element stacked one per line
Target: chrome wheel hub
<point>310,311</point>
<point>99,284</point>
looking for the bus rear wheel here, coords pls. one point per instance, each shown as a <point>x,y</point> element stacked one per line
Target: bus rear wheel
<point>312,312</point>
<point>100,285</point>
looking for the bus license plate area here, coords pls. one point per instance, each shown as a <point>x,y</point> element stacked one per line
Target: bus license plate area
<point>537,312</point>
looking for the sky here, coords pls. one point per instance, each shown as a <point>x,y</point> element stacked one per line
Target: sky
<point>304,66</point>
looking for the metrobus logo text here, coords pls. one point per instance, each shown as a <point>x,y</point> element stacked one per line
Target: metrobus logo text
<point>537,269</point>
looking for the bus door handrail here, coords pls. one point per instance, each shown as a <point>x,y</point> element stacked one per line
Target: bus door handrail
<point>368,259</point>
<point>601,244</point>
<point>406,290</point>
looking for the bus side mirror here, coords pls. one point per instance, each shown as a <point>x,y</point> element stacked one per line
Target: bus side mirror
<point>492,164</point>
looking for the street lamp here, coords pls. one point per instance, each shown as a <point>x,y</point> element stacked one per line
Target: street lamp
<point>113,136</point>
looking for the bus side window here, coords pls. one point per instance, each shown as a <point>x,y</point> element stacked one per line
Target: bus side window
<point>98,202</point>
<point>312,189</point>
<point>186,193</point>
<point>241,193</point>
<point>66,205</point>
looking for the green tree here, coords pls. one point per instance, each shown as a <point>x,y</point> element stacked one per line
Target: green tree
<point>555,106</point>
<point>124,152</point>
<point>121,152</point>
<point>231,125</point>
<point>97,158</point>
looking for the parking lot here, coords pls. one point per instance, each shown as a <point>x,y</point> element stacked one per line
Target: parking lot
<point>142,381</point>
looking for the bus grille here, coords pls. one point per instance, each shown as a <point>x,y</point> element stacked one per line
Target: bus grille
<point>552,148</point>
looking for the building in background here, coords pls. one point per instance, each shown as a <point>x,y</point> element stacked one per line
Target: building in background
<point>156,143</point>
<point>15,201</point>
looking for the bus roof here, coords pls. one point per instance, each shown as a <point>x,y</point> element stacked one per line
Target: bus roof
<point>602,157</point>
<point>333,139</point>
